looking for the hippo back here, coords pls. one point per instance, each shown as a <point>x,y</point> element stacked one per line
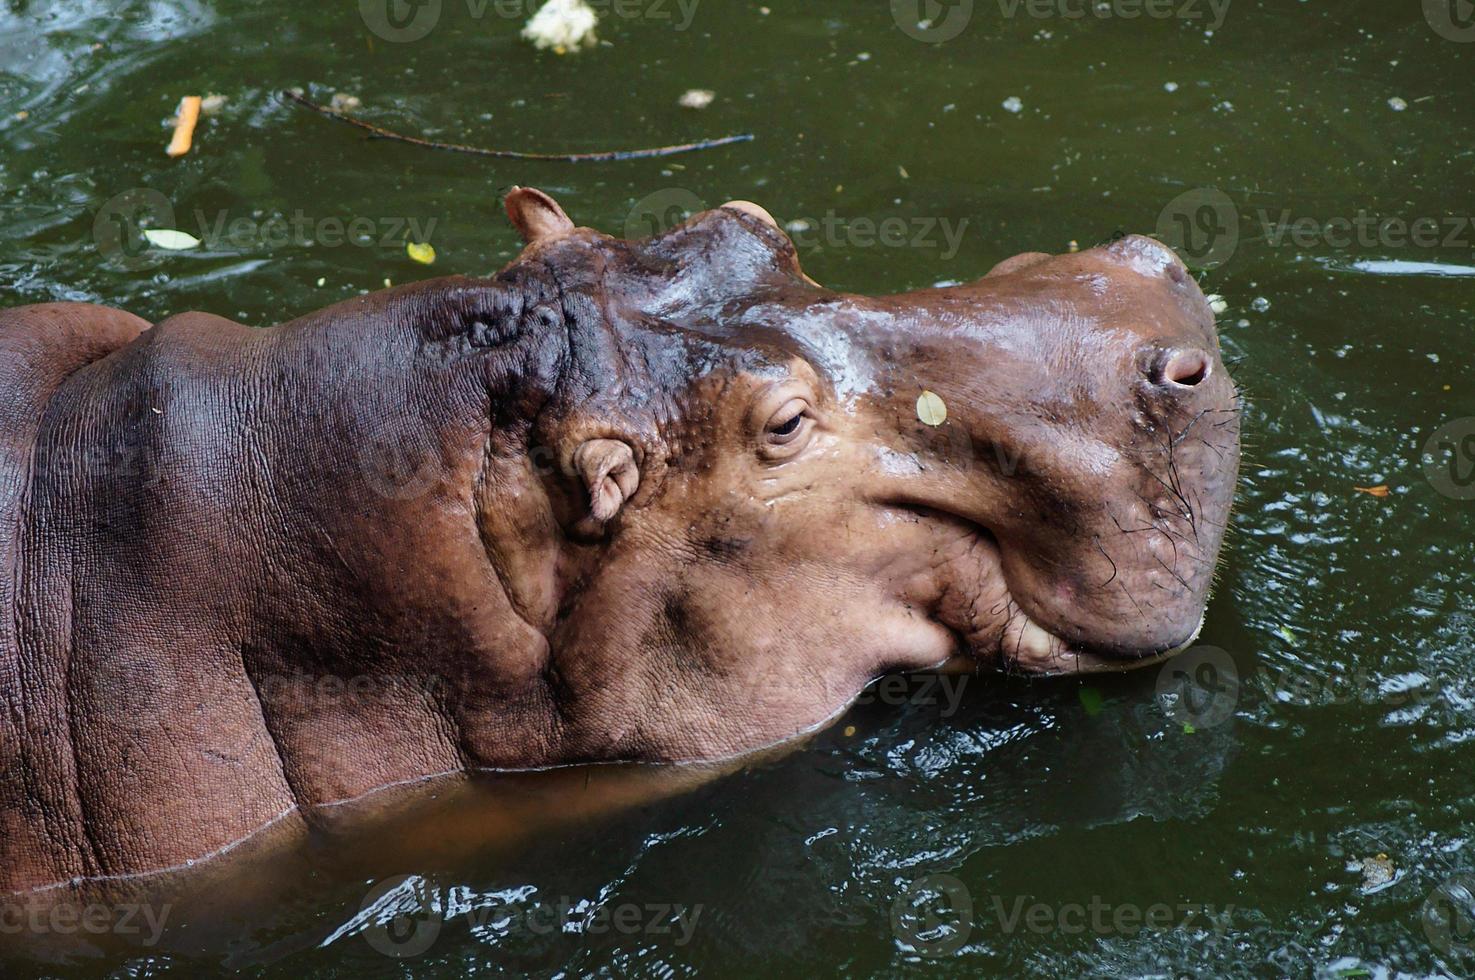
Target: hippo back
<point>40,347</point>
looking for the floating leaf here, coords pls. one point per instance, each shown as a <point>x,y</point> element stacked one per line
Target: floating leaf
<point>1378,491</point>
<point>423,253</point>
<point>174,241</point>
<point>931,409</point>
<point>1188,729</point>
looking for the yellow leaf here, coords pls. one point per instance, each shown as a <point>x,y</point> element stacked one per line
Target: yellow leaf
<point>422,253</point>
<point>931,409</point>
<point>1378,491</point>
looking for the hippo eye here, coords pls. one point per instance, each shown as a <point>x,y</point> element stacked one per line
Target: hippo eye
<point>787,427</point>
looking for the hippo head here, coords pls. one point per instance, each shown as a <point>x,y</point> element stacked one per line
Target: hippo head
<point>732,497</point>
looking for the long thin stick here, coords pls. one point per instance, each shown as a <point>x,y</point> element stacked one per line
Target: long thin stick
<point>380,133</point>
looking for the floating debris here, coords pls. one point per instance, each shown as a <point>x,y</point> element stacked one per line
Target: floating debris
<point>1378,491</point>
<point>1397,104</point>
<point>168,238</point>
<point>424,253</point>
<point>1377,872</point>
<point>696,98</point>
<point>562,26</point>
<point>931,409</point>
<point>186,118</point>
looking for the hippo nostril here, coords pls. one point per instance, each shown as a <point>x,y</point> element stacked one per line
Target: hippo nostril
<point>1184,368</point>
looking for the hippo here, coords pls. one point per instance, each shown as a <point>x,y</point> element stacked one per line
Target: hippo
<point>658,501</point>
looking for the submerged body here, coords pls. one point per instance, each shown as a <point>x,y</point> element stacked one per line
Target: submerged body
<point>665,500</point>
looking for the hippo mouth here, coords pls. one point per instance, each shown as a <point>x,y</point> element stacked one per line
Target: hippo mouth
<point>1030,648</point>
<point>996,624</point>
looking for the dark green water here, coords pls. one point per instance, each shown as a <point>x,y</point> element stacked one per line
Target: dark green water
<point>1064,812</point>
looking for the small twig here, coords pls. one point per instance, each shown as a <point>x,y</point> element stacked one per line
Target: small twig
<point>380,133</point>
<point>185,120</point>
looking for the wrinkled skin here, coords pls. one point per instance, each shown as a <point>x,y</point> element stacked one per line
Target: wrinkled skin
<point>657,500</point>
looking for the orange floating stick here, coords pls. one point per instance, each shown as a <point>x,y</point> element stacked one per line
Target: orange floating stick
<point>184,126</point>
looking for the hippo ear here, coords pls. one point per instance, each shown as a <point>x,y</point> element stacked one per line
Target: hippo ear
<point>536,216</point>
<point>610,474</point>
